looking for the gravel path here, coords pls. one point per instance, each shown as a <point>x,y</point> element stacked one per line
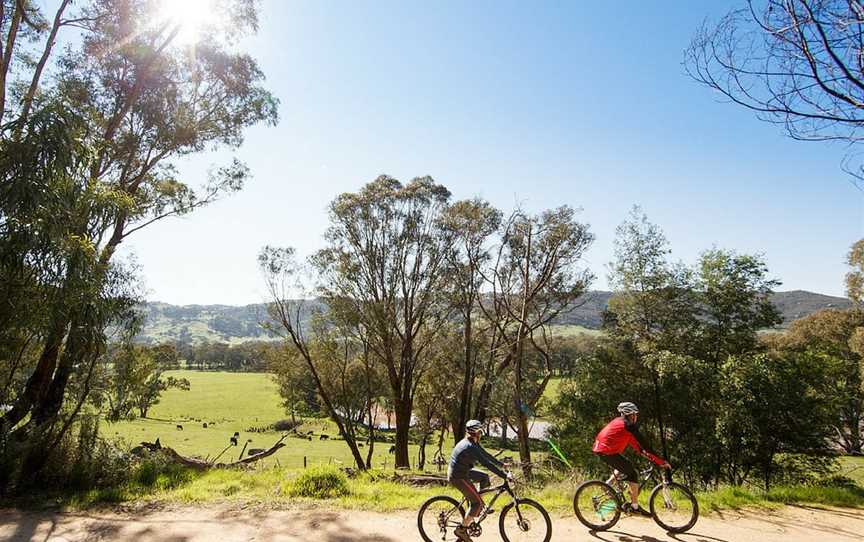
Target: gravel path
<point>222,523</point>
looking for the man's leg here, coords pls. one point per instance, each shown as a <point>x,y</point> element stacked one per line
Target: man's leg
<point>475,500</point>
<point>620,465</point>
<point>479,477</point>
<point>634,493</point>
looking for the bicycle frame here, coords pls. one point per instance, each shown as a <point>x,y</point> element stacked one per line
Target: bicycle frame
<point>646,476</point>
<point>498,490</point>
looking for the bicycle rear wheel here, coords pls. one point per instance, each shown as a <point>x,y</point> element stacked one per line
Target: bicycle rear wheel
<point>596,505</point>
<point>438,517</point>
<point>525,520</point>
<point>674,507</point>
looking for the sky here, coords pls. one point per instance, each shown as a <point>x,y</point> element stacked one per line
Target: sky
<point>538,104</point>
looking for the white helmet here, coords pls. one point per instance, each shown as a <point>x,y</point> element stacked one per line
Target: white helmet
<point>626,408</point>
<point>474,426</point>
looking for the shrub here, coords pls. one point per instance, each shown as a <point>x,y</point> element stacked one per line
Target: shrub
<point>286,425</point>
<point>320,483</point>
<point>83,460</point>
<point>156,471</point>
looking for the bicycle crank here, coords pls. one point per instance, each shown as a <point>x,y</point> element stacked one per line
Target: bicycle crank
<point>475,530</point>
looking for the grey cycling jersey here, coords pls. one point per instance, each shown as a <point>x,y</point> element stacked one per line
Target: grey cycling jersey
<point>465,455</point>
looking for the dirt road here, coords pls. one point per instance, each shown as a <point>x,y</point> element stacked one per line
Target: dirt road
<point>212,523</point>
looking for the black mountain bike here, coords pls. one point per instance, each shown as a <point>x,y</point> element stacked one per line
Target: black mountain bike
<point>521,520</point>
<point>599,504</point>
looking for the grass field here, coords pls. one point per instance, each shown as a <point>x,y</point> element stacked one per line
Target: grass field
<point>238,402</point>
<point>853,467</point>
<point>570,331</point>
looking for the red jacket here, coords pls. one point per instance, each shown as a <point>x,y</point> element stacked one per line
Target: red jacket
<point>617,435</point>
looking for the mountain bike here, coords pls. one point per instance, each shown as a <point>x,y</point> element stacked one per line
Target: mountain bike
<point>598,504</point>
<point>521,520</point>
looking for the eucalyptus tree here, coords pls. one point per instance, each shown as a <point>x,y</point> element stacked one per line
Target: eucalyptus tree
<point>855,276</point>
<point>795,63</point>
<point>832,337</point>
<point>734,293</point>
<point>653,307</point>
<point>385,257</point>
<point>534,276</point>
<point>88,159</point>
<point>339,364</point>
<point>473,225</point>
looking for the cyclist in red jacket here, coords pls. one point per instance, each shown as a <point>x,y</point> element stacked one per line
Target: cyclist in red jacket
<point>613,439</point>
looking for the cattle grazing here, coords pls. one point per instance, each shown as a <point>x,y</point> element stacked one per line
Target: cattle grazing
<point>324,437</point>
<point>179,427</point>
<point>393,449</point>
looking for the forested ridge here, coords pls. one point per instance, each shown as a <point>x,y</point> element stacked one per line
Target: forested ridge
<point>194,324</point>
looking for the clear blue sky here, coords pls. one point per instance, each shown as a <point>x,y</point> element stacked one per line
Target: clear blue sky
<point>544,104</point>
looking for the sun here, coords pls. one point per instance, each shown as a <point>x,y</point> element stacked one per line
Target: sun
<point>189,16</point>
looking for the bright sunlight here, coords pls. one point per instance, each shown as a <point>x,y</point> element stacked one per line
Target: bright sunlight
<point>192,17</point>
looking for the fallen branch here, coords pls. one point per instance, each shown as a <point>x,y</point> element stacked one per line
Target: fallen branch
<point>199,464</point>
<point>420,480</point>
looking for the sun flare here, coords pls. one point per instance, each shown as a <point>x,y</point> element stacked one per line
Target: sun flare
<point>190,16</point>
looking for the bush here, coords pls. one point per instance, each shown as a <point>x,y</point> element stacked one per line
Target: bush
<point>83,460</point>
<point>156,471</point>
<point>836,480</point>
<point>286,425</point>
<point>320,483</point>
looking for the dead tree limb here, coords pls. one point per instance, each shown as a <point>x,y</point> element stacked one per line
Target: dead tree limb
<point>199,464</point>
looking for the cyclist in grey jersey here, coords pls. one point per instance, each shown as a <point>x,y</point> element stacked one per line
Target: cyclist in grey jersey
<point>462,475</point>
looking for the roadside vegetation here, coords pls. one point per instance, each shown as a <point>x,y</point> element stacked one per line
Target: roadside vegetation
<point>377,491</point>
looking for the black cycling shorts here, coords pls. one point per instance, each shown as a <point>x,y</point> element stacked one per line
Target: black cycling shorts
<point>620,463</point>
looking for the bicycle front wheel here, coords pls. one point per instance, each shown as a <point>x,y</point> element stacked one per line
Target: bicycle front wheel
<point>596,505</point>
<point>438,518</point>
<point>674,507</point>
<point>524,520</point>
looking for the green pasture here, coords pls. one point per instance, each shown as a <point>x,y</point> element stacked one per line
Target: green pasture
<point>230,402</point>
<point>241,401</point>
<point>573,331</point>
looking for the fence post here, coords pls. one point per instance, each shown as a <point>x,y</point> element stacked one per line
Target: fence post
<point>304,462</point>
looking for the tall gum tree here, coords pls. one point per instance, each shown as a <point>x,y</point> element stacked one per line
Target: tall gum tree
<point>534,277</point>
<point>385,256</point>
<point>126,102</point>
<point>473,224</point>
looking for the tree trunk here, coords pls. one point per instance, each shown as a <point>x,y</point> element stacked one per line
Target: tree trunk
<point>6,58</point>
<point>80,345</point>
<point>370,442</point>
<point>39,382</point>
<point>421,455</point>
<point>403,426</point>
<point>658,409</point>
<point>467,382</point>
<point>27,101</point>
<point>524,448</point>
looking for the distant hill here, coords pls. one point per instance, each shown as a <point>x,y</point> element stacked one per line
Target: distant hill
<point>195,324</point>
